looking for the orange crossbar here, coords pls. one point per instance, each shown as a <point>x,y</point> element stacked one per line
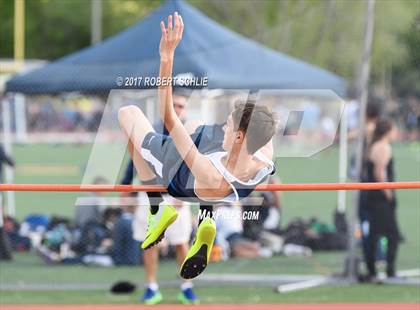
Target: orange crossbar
<point>261,188</point>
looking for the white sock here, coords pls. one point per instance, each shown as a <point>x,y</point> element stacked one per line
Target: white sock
<point>186,285</point>
<point>153,286</point>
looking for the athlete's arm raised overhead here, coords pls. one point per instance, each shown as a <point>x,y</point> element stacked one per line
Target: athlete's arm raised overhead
<point>200,165</point>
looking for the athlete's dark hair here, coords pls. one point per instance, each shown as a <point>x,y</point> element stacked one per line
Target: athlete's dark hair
<point>256,121</point>
<point>383,126</point>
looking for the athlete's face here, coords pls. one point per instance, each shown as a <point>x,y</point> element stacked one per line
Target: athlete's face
<point>180,103</point>
<point>229,134</point>
<point>231,137</point>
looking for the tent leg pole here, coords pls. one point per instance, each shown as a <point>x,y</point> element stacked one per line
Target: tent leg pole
<point>363,84</point>
<point>20,118</point>
<point>7,140</point>
<point>342,165</point>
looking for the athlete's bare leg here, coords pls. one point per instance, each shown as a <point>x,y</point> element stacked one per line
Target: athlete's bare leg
<point>181,251</point>
<point>136,126</point>
<point>151,262</point>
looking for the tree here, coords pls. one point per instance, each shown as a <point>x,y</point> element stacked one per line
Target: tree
<point>54,28</point>
<point>406,76</point>
<point>326,33</point>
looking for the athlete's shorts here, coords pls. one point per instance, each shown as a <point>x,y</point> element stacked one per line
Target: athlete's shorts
<point>158,152</point>
<point>180,230</point>
<point>161,154</point>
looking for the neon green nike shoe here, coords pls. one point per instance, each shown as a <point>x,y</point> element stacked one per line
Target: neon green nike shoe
<point>199,254</point>
<point>156,229</point>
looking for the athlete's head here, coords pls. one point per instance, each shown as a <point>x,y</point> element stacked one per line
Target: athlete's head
<point>249,125</point>
<point>180,103</point>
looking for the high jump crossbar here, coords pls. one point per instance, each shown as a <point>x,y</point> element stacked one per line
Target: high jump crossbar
<point>260,188</point>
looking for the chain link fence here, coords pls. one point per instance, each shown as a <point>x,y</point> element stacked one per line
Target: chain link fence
<point>73,242</point>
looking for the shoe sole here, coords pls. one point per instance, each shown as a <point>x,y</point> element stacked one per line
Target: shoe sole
<point>156,242</point>
<point>196,264</point>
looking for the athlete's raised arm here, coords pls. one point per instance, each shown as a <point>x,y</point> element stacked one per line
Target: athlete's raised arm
<point>200,165</point>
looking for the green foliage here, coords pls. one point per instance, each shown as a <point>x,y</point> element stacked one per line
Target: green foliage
<point>119,15</point>
<point>327,33</point>
<point>406,77</point>
<point>412,40</point>
<point>56,28</point>
<point>6,28</point>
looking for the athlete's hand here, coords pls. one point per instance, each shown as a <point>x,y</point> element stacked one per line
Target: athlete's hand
<point>171,36</point>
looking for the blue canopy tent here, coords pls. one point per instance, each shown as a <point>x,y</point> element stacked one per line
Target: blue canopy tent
<point>208,49</point>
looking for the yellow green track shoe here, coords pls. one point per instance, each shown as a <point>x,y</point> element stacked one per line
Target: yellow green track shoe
<point>156,229</point>
<point>199,254</point>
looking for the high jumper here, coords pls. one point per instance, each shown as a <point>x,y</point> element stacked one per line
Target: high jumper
<point>206,164</point>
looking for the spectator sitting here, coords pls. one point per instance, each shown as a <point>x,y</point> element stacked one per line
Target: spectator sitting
<point>96,235</point>
<point>265,229</point>
<point>230,234</point>
<point>93,248</point>
<point>90,208</point>
<point>18,242</point>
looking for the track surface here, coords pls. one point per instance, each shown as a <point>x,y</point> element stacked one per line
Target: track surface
<point>221,307</point>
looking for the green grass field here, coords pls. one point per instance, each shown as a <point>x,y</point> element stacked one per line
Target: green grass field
<point>65,164</point>
<point>229,295</point>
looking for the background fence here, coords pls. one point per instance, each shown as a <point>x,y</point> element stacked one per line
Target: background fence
<point>299,236</point>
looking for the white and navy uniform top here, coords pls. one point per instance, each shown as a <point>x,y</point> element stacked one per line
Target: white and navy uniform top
<point>161,154</point>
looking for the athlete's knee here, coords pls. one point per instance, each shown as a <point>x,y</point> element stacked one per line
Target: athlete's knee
<point>128,112</point>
